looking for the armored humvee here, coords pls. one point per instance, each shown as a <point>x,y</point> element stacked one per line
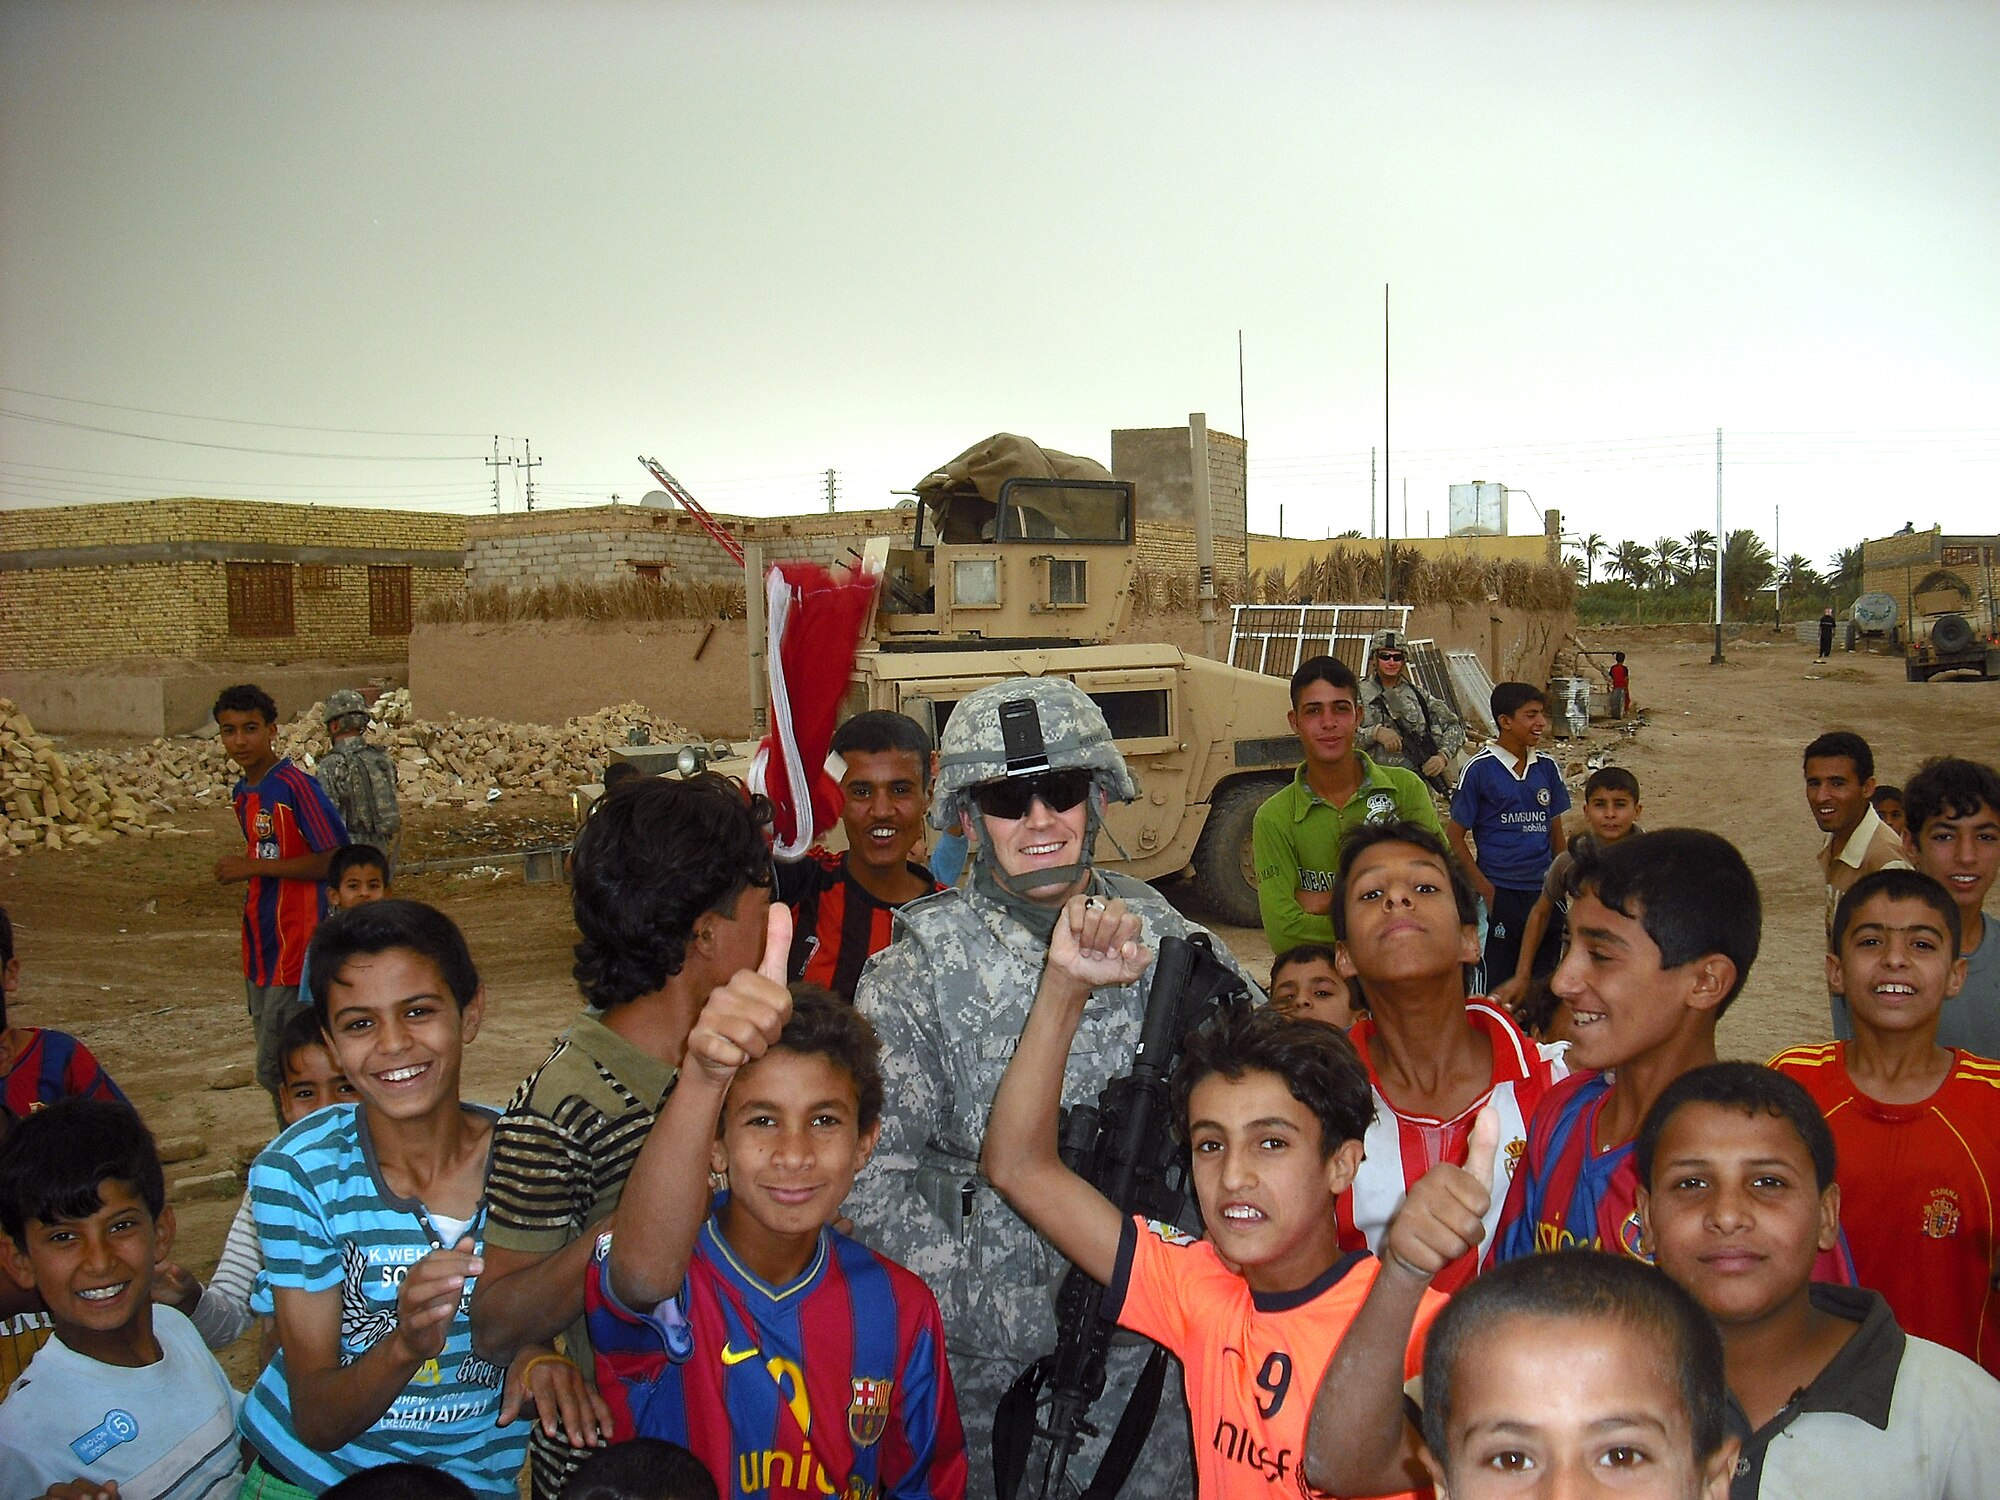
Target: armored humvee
<point>1021,561</point>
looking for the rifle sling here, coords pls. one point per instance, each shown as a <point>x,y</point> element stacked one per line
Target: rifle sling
<point>1014,1429</point>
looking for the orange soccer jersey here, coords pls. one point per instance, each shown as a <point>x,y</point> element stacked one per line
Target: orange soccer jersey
<point>1917,1186</point>
<point>1253,1359</point>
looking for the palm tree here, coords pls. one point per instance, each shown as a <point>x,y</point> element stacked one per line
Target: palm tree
<point>1844,572</point>
<point>1797,572</point>
<point>1593,548</point>
<point>1630,562</point>
<point>1701,549</point>
<point>1746,566</point>
<point>1669,560</point>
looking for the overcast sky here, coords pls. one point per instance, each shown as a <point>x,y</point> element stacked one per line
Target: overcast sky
<point>760,241</point>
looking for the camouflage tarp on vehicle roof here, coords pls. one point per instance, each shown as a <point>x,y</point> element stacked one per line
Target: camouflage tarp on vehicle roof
<point>964,494</point>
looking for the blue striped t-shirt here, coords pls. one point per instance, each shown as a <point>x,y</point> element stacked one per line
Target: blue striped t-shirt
<point>327,1220</point>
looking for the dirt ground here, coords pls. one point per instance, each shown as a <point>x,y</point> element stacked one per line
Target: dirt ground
<point>134,947</point>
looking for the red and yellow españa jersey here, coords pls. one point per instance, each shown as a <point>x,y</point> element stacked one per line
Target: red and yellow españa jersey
<point>1917,1184</point>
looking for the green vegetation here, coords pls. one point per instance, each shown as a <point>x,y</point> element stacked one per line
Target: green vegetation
<point>1672,580</point>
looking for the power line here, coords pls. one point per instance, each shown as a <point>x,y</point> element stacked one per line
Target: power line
<point>51,471</point>
<point>372,458</point>
<point>152,411</point>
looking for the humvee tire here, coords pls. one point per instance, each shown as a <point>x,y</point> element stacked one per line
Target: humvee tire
<point>1225,864</point>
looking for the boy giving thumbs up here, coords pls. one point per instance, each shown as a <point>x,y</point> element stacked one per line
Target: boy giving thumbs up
<point>739,1323</point>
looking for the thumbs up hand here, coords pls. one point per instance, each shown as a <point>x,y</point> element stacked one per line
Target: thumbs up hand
<point>1443,1216</point>
<point>743,1018</point>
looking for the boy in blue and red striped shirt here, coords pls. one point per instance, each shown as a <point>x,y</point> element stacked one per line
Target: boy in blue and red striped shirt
<point>291,832</point>
<point>791,1359</point>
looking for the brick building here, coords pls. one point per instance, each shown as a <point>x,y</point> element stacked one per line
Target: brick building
<point>1926,571</point>
<point>218,580</point>
<point>609,543</point>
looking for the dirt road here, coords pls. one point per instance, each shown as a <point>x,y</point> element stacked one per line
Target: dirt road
<point>134,947</point>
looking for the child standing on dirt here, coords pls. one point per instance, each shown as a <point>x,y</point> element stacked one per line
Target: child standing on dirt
<point>1612,808</point>
<point>1621,686</point>
<point>356,875</point>
<point>1510,801</point>
<point>290,831</point>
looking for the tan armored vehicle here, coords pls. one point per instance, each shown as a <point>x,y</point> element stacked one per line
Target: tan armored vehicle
<point>1020,562</point>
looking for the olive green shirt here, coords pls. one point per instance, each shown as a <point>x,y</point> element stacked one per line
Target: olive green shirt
<point>1297,841</point>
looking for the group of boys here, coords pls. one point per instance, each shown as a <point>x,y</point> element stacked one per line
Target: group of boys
<point>1373,1195</point>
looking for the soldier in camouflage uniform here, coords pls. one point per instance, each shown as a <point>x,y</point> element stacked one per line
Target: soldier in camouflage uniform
<point>1398,712</point>
<point>1026,768</point>
<point>359,778</point>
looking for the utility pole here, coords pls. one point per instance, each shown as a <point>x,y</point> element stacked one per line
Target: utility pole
<point>1386,581</point>
<point>528,467</point>
<point>1716,659</point>
<point>1406,507</point>
<point>832,488</point>
<point>1778,577</point>
<point>1371,492</point>
<point>494,464</point>
<point>1204,529</point>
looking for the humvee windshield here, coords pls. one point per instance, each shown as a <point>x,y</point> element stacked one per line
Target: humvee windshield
<point>1028,510</point>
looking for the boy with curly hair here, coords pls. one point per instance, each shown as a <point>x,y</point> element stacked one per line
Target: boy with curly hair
<point>670,886</point>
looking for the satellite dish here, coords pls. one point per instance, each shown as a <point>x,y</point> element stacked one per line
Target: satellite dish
<point>656,500</point>
<point>1876,612</point>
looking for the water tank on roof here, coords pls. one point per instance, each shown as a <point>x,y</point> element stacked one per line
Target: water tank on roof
<point>1478,509</point>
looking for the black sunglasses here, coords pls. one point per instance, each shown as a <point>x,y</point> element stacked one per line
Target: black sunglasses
<point>1388,656</point>
<point>1058,790</point>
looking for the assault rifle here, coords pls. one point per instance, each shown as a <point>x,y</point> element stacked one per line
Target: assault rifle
<point>1122,1146</point>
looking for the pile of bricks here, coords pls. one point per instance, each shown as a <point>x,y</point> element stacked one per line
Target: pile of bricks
<point>458,761</point>
<point>46,801</point>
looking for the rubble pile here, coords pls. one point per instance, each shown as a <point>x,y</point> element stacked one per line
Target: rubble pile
<point>455,761</point>
<point>51,801</point>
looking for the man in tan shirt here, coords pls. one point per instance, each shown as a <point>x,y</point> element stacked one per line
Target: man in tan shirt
<point>1840,781</point>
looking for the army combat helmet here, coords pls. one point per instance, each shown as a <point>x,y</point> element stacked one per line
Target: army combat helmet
<point>1028,726</point>
<point>342,708</point>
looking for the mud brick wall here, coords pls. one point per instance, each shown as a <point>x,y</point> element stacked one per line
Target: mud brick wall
<point>85,584</point>
<point>607,544</point>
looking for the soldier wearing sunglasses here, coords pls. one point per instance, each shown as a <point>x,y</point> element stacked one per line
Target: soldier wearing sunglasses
<point>1403,722</point>
<point>1026,769</point>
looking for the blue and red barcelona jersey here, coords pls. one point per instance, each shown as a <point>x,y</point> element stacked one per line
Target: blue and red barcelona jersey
<point>284,816</point>
<point>833,1386</point>
<point>1567,1195</point>
<point>53,1065</point>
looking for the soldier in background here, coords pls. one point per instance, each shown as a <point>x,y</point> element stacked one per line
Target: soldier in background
<point>359,778</point>
<point>1403,723</point>
<point>1027,767</point>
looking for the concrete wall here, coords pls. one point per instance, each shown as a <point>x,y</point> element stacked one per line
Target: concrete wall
<point>166,703</point>
<point>1157,462</point>
<point>85,584</point>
